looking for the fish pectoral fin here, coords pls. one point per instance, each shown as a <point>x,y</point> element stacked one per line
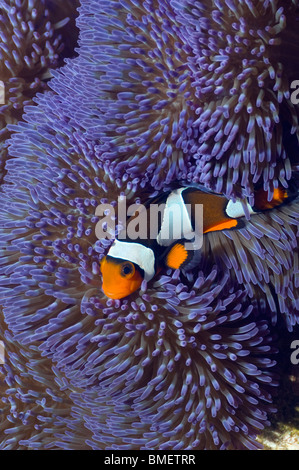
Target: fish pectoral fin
<point>177,256</point>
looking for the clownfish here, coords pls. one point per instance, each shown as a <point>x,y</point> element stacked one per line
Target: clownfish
<point>129,262</point>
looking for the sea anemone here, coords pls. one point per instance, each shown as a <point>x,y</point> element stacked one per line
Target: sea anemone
<point>51,297</point>
<point>186,362</point>
<point>174,367</point>
<point>34,34</point>
<point>34,395</point>
<point>130,89</point>
<point>173,380</point>
<point>178,86</point>
<point>264,258</point>
<point>242,90</point>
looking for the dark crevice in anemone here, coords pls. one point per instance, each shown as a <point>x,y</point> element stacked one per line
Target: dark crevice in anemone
<point>286,396</point>
<point>289,51</point>
<point>290,142</point>
<point>61,9</point>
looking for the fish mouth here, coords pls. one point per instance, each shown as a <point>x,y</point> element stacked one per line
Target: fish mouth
<point>115,295</point>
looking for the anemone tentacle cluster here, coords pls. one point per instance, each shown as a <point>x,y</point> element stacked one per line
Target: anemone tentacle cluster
<point>35,36</point>
<point>242,90</point>
<point>187,362</point>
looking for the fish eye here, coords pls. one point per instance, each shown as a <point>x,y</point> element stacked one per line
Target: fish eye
<point>127,269</point>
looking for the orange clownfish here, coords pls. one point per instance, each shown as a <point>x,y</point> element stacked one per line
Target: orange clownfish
<point>129,262</point>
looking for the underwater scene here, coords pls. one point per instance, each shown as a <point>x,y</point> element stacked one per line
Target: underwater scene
<point>149,226</point>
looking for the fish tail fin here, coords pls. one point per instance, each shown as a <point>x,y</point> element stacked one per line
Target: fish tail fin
<point>281,196</point>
